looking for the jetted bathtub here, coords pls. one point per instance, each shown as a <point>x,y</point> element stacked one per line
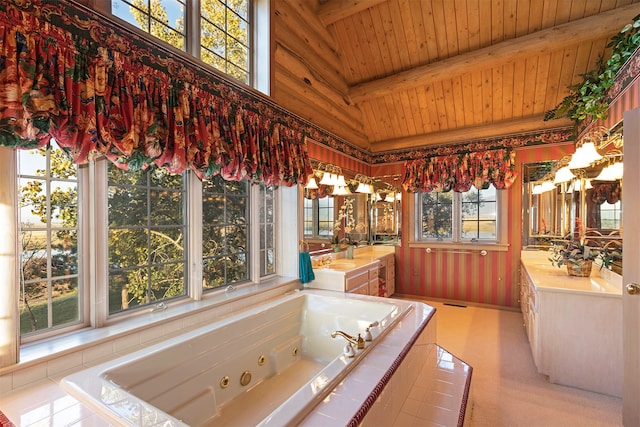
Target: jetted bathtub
<point>266,366</point>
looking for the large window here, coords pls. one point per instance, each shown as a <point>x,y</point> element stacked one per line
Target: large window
<point>147,229</point>
<point>220,35</point>
<point>51,285</point>
<point>459,217</point>
<point>141,256</point>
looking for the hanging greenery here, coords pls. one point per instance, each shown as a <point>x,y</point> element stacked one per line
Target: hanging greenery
<point>588,98</point>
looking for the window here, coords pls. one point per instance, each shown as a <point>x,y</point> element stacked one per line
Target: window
<point>225,232</point>
<point>459,217</point>
<point>51,288</point>
<point>318,217</point>
<point>147,229</point>
<point>220,35</point>
<point>611,215</point>
<point>224,39</point>
<point>142,254</point>
<point>267,230</point>
<point>164,19</point>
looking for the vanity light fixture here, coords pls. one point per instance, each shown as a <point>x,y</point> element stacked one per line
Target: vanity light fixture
<point>326,179</point>
<point>311,185</point>
<point>537,189</point>
<point>584,156</point>
<point>563,174</point>
<point>547,186</point>
<point>340,191</point>
<point>611,172</point>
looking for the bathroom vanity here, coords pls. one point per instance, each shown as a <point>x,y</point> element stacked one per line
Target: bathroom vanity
<point>574,324</point>
<point>370,272</point>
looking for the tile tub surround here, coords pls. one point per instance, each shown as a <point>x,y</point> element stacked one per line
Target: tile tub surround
<point>23,409</point>
<point>284,347</point>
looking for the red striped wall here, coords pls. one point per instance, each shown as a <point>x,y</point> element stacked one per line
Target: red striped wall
<point>492,279</point>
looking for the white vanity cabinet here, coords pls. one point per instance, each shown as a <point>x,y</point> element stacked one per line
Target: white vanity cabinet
<point>528,299</point>
<point>387,275</point>
<point>364,274</point>
<point>574,325</point>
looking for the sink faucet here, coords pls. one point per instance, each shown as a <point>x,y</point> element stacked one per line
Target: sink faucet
<point>358,342</point>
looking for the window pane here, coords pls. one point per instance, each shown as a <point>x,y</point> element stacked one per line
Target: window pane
<point>163,19</point>
<point>479,214</point>
<point>146,239</point>
<point>225,232</point>
<point>65,301</point>
<point>34,310</point>
<point>267,230</point>
<point>49,288</point>
<point>437,219</point>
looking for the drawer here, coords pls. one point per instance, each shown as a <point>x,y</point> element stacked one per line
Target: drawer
<point>357,280</point>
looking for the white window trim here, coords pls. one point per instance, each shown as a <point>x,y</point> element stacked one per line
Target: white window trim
<point>499,245</point>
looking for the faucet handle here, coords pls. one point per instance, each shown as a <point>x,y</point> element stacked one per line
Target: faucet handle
<point>360,342</point>
<point>367,332</point>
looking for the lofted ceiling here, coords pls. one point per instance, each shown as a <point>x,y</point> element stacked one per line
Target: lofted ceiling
<point>400,74</point>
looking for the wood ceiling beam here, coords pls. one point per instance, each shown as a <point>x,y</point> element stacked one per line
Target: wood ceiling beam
<point>532,45</point>
<point>471,133</point>
<point>335,10</point>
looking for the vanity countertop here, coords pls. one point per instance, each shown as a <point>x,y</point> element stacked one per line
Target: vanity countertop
<point>553,279</point>
<point>363,257</point>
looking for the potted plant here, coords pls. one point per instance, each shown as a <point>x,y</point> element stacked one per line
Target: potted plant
<point>576,254</point>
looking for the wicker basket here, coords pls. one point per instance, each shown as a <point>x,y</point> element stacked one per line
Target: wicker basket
<point>580,268</point>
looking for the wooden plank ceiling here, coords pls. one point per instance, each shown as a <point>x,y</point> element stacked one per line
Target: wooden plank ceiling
<point>398,74</point>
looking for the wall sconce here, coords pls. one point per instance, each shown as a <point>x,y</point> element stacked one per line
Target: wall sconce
<point>611,172</point>
<point>563,174</point>
<point>584,156</point>
<point>365,184</point>
<point>312,185</point>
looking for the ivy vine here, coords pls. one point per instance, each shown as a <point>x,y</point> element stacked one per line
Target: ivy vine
<point>588,98</point>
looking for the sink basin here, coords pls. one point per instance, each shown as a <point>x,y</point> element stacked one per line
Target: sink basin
<point>342,265</point>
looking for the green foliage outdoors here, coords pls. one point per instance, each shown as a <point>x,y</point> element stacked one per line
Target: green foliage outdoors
<point>588,98</point>
<point>227,52</point>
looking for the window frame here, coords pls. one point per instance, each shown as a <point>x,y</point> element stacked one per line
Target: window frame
<point>315,218</point>
<point>414,222</point>
<point>258,63</point>
<point>82,242</point>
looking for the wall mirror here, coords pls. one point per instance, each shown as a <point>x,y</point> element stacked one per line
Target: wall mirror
<point>565,198</point>
<point>362,211</point>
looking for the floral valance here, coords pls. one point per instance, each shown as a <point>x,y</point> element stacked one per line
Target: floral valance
<point>458,172</point>
<point>97,100</point>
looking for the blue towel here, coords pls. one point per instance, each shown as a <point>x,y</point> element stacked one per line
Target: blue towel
<point>306,270</point>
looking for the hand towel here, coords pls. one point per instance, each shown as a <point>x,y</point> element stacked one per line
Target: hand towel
<point>306,270</point>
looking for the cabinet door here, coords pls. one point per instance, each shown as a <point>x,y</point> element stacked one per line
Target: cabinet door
<point>391,274</point>
<point>362,289</point>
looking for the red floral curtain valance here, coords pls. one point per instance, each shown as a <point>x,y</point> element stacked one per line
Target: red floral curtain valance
<point>458,172</point>
<point>96,100</point>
